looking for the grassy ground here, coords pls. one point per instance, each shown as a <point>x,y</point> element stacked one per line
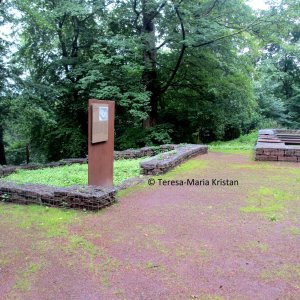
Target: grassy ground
<point>239,145</point>
<point>76,174</point>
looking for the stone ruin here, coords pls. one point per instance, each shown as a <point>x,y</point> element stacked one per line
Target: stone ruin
<point>278,145</point>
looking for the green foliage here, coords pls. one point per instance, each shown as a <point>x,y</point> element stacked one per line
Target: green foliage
<point>217,98</point>
<point>278,73</point>
<point>75,174</point>
<point>178,71</point>
<point>245,142</point>
<point>136,137</point>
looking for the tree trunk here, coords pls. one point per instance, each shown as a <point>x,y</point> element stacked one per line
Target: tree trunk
<point>150,72</point>
<point>2,150</point>
<point>27,154</point>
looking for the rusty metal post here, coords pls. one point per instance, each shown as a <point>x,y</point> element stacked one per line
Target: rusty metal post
<point>101,116</point>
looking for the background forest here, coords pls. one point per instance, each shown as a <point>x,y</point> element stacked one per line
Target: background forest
<point>179,70</point>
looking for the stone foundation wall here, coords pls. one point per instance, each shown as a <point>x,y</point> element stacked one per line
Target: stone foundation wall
<point>164,162</point>
<point>270,148</point>
<point>89,198</point>
<point>271,154</point>
<point>142,152</point>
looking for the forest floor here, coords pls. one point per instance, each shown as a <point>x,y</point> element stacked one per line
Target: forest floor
<point>164,241</point>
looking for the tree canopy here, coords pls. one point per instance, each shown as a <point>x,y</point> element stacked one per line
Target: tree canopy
<point>179,71</point>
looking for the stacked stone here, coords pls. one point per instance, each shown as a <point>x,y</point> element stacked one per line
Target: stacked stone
<point>142,152</point>
<point>89,198</point>
<point>162,163</point>
<point>270,148</point>
<point>265,153</point>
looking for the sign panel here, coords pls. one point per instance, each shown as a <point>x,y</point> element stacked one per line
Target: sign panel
<point>101,142</point>
<point>99,123</point>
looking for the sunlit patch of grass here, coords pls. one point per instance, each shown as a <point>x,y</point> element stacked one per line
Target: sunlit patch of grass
<point>4,261</point>
<point>182,251</point>
<point>257,166</point>
<point>118,292</point>
<point>193,164</point>
<point>75,174</point>
<point>151,265</point>
<point>105,268</point>
<point>285,271</point>
<point>270,166</point>
<point>268,202</point>
<point>152,229</point>
<point>53,221</point>
<point>206,297</point>
<point>185,168</point>
<point>77,242</point>
<point>254,245</point>
<point>247,152</point>
<point>125,169</point>
<point>26,277</point>
<point>155,244</point>
<point>91,256</point>
<point>294,230</point>
<point>244,142</point>
<point>132,189</point>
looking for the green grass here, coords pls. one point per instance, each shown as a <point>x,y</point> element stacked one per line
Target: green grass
<point>269,202</point>
<point>254,245</point>
<point>76,174</point>
<point>53,221</point>
<point>24,278</point>
<point>80,243</point>
<point>241,144</point>
<point>285,272</point>
<point>294,230</point>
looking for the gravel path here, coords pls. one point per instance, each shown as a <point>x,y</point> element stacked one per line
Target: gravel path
<point>169,242</point>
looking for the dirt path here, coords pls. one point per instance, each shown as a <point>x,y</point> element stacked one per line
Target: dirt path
<point>167,242</point>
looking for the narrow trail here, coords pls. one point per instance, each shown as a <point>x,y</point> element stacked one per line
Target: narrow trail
<point>170,242</point>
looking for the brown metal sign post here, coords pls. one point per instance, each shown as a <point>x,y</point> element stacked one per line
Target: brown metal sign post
<point>101,116</point>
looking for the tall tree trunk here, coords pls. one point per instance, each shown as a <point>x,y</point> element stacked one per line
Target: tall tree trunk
<point>2,150</point>
<point>150,72</point>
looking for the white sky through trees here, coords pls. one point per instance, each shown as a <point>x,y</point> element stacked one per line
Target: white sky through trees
<point>257,4</point>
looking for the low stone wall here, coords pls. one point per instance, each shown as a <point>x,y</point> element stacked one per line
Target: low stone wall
<point>89,198</point>
<point>269,147</point>
<point>142,152</point>
<point>164,162</point>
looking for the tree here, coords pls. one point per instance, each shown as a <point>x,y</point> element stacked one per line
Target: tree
<point>3,82</point>
<point>57,40</point>
<point>175,27</point>
<point>278,79</point>
<point>164,63</point>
